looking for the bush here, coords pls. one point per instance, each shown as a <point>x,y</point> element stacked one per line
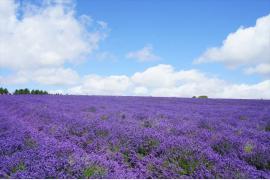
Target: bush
<point>203,97</point>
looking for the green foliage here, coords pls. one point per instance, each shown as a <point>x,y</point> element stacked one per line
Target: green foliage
<point>18,167</point>
<point>114,147</point>
<point>147,146</point>
<point>185,160</point>
<point>38,92</point>
<point>187,166</point>
<point>248,148</point>
<point>95,170</point>
<point>27,91</point>
<point>3,91</point>
<point>203,97</point>
<point>22,91</point>
<point>127,156</point>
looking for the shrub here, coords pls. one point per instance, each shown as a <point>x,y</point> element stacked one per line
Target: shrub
<point>203,97</point>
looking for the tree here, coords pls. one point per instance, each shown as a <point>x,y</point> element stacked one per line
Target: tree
<point>3,91</point>
<point>22,91</point>
<point>26,91</point>
<point>38,92</point>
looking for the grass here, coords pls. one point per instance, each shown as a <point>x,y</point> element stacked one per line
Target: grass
<point>185,160</point>
<point>18,167</point>
<point>248,148</point>
<point>94,171</point>
<point>147,146</point>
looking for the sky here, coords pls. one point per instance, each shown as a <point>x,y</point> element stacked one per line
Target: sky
<point>137,47</point>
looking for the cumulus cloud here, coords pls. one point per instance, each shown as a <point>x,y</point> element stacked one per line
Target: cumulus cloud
<point>144,54</point>
<point>43,76</point>
<point>164,80</point>
<point>246,47</point>
<point>49,35</point>
<point>55,76</point>
<point>263,69</point>
<point>141,91</point>
<point>161,80</point>
<point>98,85</point>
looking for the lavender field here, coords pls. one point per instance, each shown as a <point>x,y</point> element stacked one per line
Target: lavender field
<point>133,137</point>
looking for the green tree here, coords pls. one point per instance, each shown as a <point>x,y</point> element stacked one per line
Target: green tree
<point>3,91</point>
<point>26,91</point>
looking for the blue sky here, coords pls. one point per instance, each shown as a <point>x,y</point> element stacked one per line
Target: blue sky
<point>179,30</point>
<point>173,33</point>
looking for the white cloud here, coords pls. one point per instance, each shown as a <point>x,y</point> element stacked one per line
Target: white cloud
<point>258,90</point>
<point>45,36</point>
<point>103,24</point>
<point>44,76</point>
<point>97,85</point>
<point>263,69</point>
<point>57,91</point>
<point>161,80</point>
<point>164,80</point>
<point>18,78</point>
<point>160,75</point>
<point>246,47</point>
<point>55,76</point>
<point>143,55</point>
<point>140,91</point>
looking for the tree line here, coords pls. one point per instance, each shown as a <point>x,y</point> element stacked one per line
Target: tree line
<point>23,91</point>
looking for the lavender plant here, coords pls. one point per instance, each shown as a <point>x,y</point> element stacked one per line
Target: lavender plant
<point>133,137</point>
